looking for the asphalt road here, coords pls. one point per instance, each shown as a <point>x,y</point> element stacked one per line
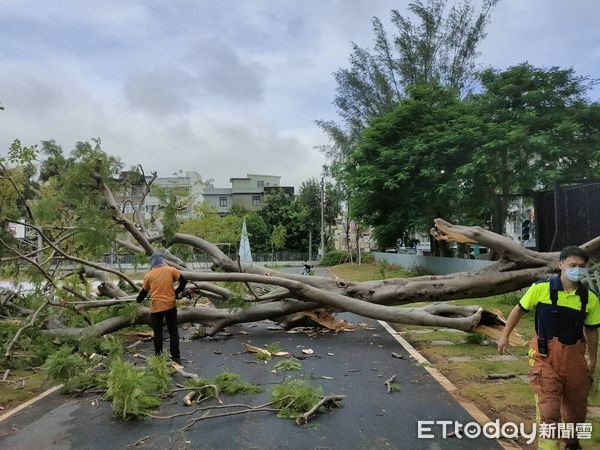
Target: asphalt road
<point>359,362</point>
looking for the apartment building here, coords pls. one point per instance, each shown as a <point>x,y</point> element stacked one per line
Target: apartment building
<point>247,192</point>
<point>187,187</point>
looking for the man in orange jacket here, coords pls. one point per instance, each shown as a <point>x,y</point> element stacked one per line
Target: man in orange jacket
<point>159,283</point>
<point>565,311</point>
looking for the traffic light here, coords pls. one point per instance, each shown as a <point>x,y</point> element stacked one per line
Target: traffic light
<point>525,230</point>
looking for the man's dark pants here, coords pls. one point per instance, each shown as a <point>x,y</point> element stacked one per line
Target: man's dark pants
<point>157,324</point>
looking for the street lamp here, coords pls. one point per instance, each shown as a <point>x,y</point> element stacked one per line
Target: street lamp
<point>322,250</point>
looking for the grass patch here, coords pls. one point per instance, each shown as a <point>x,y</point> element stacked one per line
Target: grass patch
<point>366,272</point>
<point>12,394</point>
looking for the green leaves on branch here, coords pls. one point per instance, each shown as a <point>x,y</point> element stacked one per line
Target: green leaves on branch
<point>295,397</point>
<point>227,383</point>
<point>136,392</point>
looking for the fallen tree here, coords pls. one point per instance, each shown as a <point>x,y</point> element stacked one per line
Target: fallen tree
<point>272,294</point>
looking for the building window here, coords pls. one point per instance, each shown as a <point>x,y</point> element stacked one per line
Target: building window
<point>222,201</point>
<point>260,183</point>
<point>256,200</point>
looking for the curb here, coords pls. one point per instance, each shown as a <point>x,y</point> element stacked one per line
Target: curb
<point>29,402</point>
<point>471,408</point>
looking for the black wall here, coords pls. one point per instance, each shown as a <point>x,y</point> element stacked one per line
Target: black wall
<point>578,218</point>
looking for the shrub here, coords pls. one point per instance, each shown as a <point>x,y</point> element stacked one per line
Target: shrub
<point>383,266</point>
<point>474,339</point>
<point>419,271</point>
<point>334,257</point>
<point>367,258</point>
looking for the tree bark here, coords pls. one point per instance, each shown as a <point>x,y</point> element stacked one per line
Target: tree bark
<point>288,294</point>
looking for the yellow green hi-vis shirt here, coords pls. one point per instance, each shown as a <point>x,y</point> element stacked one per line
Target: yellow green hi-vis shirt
<point>566,322</point>
<point>159,283</point>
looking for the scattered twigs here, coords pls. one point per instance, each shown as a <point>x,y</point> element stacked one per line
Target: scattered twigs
<point>189,398</point>
<point>389,384</point>
<point>207,408</point>
<point>328,401</point>
<point>78,306</point>
<point>20,331</point>
<point>139,441</point>
<point>248,409</point>
<point>197,393</point>
<point>6,372</point>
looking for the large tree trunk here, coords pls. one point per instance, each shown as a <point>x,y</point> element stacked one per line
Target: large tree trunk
<point>276,295</point>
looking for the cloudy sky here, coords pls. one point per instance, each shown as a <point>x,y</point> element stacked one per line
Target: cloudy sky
<point>224,87</point>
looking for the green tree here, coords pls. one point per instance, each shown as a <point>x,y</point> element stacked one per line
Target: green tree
<point>258,232</point>
<point>438,46</point>
<point>437,155</point>
<point>540,129</point>
<point>224,231</point>
<point>281,209</point>
<point>309,203</point>
<point>277,240</point>
<point>401,174</point>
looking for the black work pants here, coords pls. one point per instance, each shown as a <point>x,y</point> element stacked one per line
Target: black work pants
<point>157,324</point>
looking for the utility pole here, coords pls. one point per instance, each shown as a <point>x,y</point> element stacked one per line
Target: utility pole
<point>322,217</point>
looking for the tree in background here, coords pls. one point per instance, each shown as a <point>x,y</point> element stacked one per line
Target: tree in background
<point>401,175</point>
<point>540,128</point>
<point>309,201</point>
<point>258,232</point>
<point>439,155</point>
<point>277,239</point>
<point>281,209</point>
<point>438,46</point>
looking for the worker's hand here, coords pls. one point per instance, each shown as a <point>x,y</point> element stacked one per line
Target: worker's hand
<point>139,300</point>
<point>503,344</point>
<point>186,293</point>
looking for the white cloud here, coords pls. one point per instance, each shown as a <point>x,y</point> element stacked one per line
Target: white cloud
<point>225,88</point>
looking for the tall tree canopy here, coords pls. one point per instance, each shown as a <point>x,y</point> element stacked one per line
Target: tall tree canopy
<point>309,200</point>
<point>402,172</point>
<point>434,43</point>
<point>439,155</point>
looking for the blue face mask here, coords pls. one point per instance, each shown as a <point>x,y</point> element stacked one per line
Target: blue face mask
<point>575,273</point>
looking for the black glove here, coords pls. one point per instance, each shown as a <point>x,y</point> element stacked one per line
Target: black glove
<point>141,296</point>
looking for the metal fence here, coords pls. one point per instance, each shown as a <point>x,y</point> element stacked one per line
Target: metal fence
<point>278,257</point>
<point>568,215</point>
